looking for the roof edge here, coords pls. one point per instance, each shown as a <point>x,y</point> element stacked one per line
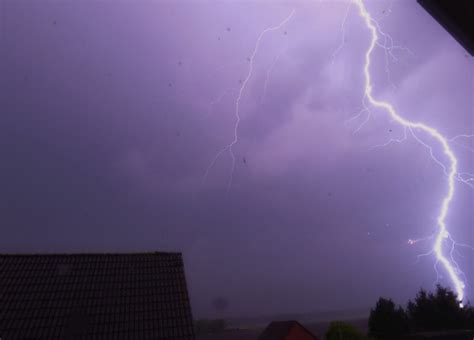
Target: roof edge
<point>304,328</point>
<point>91,254</point>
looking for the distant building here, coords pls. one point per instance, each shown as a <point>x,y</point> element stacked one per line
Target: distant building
<point>94,296</point>
<point>286,330</point>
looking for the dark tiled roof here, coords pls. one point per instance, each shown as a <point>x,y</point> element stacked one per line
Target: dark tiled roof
<point>278,330</point>
<point>94,296</point>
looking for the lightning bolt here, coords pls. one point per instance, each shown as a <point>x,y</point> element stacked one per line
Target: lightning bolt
<point>242,88</point>
<point>442,237</point>
<point>451,170</point>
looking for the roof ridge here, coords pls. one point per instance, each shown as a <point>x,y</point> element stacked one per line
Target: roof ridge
<point>92,254</point>
<point>279,329</point>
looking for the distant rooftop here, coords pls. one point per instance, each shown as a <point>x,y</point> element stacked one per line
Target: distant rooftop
<point>286,330</point>
<point>100,296</point>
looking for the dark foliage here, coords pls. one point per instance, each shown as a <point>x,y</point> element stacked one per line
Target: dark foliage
<point>341,330</point>
<point>438,311</point>
<point>387,321</point>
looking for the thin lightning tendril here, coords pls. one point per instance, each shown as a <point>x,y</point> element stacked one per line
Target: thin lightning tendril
<point>218,99</point>
<point>392,140</point>
<point>267,77</point>
<point>343,34</point>
<point>241,91</point>
<point>230,146</point>
<point>451,267</point>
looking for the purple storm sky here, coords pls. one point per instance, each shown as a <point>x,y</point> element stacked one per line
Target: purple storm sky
<point>111,111</point>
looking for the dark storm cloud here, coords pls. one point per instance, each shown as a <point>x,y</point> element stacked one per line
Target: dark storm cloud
<point>111,113</point>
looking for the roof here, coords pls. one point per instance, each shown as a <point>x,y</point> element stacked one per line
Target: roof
<point>85,296</point>
<point>456,17</point>
<point>278,330</point>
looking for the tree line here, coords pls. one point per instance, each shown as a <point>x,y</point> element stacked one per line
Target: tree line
<point>429,311</point>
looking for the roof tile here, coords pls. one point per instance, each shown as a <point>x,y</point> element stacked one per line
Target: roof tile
<point>94,296</point>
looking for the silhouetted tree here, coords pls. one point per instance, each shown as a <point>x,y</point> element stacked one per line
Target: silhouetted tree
<point>438,311</point>
<point>386,321</point>
<point>468,316</point>
<point>427,312</point>
<point>341,330</point>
